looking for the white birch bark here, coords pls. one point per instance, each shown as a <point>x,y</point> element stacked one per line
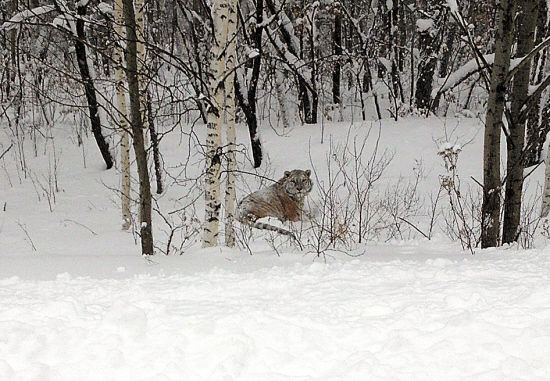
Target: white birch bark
<point>546,191</point>
<point>230,117</point>
<point>213,126</point>
<point>122,115</point>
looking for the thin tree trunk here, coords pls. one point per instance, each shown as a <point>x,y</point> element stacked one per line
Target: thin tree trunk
<point>314,70</point>
<point>141,34</point>
<point>394,51</point>
<point>337,49</point>
<point>253,88</point>
<point>87,81</point>
<point>12,66</point>
<point>154,146</point>
<point>305,103</point>
<point>527,17</point>
<point>122,115</point>
<point>146,228</point>
<point>214,126</point>
<point>230,196</point>
<point>490,224</point>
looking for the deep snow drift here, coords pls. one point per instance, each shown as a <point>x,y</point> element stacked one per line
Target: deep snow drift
<point>78,303</point>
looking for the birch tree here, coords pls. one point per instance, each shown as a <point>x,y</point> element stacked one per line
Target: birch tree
<point>220,11</point>
<point>490,223</point>
<point>122,115</point>
<point>230,129</point>
<point>146,228</point>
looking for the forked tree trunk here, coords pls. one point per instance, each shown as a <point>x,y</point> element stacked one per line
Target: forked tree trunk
<point>122,115</point>
<point>230,196</point>
<point>490,211</point>
<point>146,228</point>
<point>89,89</point>
<point>214,126</point>
<point>527,17</point>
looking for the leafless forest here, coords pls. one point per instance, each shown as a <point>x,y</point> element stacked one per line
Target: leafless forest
<point>133,74</point>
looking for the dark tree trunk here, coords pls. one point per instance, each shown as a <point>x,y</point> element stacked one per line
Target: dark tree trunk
<point>146,228</point>
<point>426,72</point>
<point>249,111</point>
<point>337,49</point>
<point>87,81</point>
<point>429,41</point>
<point>248,105</point>
<point>252,117</point>
<point>311,118</point>
<point>490,210</point>
<point>395,52</point>
<point>305,104</point>
<point>537,127</point>
<point>11,62</point>
<point>526,20</point>
<point>154,146</point>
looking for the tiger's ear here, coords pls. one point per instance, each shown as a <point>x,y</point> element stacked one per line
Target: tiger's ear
<point>287,173</point>
<point>308,172</point>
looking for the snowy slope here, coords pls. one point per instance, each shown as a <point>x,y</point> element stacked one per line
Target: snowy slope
<point>82,304</point>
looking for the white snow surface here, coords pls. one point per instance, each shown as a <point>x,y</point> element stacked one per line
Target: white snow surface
<point>83,305</point>
<point>394,314</point>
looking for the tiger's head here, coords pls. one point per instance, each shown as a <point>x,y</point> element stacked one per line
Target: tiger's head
<point>297,183</point>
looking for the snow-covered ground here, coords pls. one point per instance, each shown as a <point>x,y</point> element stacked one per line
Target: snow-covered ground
<point>77,302</point>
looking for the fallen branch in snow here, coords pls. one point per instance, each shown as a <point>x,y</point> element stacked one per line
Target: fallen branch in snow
<point>414,227</point>
<point>79,224</point>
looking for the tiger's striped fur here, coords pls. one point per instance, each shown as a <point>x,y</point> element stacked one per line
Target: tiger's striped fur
<point>283,200</point>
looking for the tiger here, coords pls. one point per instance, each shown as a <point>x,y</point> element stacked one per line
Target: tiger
<point>283,200</point>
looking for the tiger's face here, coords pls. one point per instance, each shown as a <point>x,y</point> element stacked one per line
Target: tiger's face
<point>297,183</point>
